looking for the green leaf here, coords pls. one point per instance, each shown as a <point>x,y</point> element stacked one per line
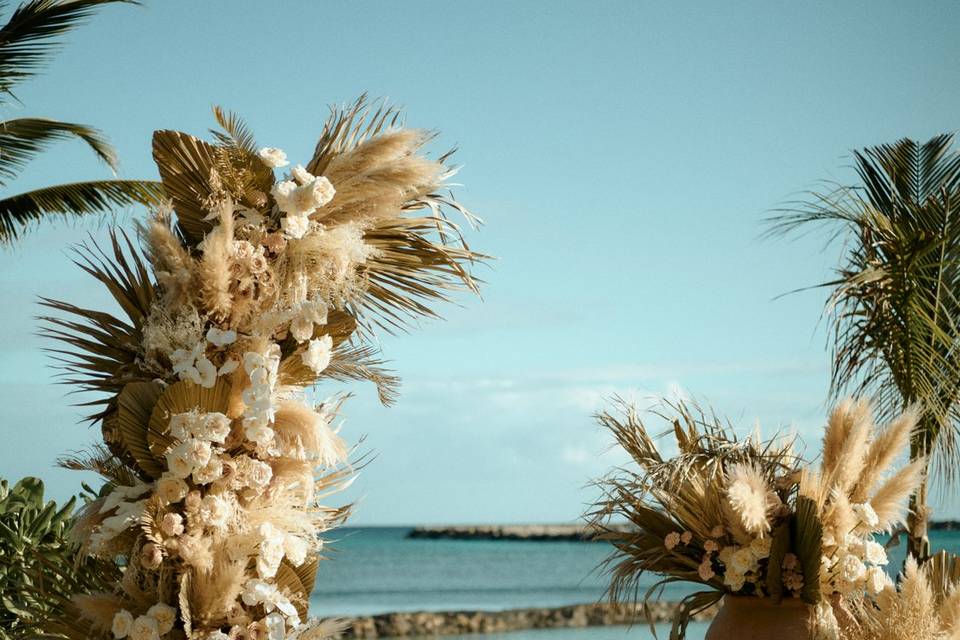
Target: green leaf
<point>779,547</point>
<point>807,535</point>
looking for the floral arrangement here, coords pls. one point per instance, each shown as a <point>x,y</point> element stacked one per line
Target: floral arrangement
<point>924,606</point>
<point>749,517</point>
<point>253,288</point>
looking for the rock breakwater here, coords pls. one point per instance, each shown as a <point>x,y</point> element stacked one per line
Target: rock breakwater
<point>546,532</point>
<point>429,623</point>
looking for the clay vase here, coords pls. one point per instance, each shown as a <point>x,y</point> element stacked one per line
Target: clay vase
<point>752,618</point>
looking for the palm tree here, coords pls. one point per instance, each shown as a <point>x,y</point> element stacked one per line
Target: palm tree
<point>895,302</point>
<point>27,41</point>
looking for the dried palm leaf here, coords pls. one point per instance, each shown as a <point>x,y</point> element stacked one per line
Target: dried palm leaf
<point>135,406</point>
<point>181,397</point>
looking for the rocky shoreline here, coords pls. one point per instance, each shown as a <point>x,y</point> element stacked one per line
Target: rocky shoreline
<point>430,623</point>
<point>545,532</point>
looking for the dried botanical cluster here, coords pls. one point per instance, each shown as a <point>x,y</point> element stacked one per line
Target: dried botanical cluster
<point>855,500</point>
<point>253,290</point>
<point>748,517</point>
<point>925,605</point>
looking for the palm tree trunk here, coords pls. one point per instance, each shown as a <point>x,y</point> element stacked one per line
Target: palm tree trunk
<point>918,543</point>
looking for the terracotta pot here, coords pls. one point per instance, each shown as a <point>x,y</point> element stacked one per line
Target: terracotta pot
<point>752,618</point>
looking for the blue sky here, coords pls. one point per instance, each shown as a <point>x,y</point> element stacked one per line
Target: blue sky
<point>623,155</point>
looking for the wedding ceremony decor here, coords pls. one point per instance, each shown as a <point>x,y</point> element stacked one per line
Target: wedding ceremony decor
<point>784,546</point>
<point>259,279</point>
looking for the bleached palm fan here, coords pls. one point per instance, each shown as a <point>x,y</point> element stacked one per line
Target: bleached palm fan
<point>250,288</point>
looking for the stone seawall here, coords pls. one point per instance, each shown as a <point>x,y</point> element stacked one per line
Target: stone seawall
<point>429,623</point>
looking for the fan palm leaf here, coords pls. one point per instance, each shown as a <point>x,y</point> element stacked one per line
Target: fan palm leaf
<point>895,302</point>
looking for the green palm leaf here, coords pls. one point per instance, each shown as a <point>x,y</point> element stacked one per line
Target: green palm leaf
<point>895,301</point>
<point>18,212</point>
<point>23,138</point>
<point>30,37</point>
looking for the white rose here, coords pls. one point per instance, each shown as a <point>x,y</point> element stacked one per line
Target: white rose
<point>301,329</point>
<point>145,628</point>
<point>273,157</point>
<point>743,560</point>
<point>171,488</point>
<point>317,355</point>
<point>868,517</point>
<point>122,623</point>
<point>301,175</point>
<point>165,615</point>
<point>228,367</point>
<point>760,547</point>
<point>215,511</point>
<point>315,311</point>
<point>179,426</point>
<point>283,193</point>
<point>314,195</point>
<point>221,338</point>
<point>210,472</point>
<point>295,548</point>
<point>852,569</point>
<point>178,460</point>
<point>875,553</point>
<point>172,524</point>
<point>276,626</point>
<point>295,226</point>
<point>876,580</point>
<point>207,373</point>
<point>734,579</point>
<point>216,427</point>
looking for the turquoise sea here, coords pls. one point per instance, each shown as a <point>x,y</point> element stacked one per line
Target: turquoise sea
<point>378,569</point>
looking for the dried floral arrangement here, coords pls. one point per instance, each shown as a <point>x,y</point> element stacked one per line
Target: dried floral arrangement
<point>747,517</point>
<point>250,289</point>
<point>924,605</point>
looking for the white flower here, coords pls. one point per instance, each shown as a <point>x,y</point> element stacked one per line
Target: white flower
<point>273,157</point>
<point>760,547</point>
<point>734,579</point>
<point>171,488</point>
<point>868,517</point>
<point>271,551</point>
<point>875,553</point>
<point>121,494</point>
<point>276,626</point>
<point>302,199</point>
<point>165,615</point>
<point>317,355</point>
<point>215,512</point>
<point>179,425</point>
<point>122,623</point>
<point>852,569</point>
<point>206,375</point>
<point>217,635</point>
<point>295,226</point>
<point>295,549</point>
<point>220,338</point>
<point>210,472</point>
<point>743,560</point>
<point>705,570</point>
<point>876,580</point>
<point>145,628</point>
<point>228,367</point>
<point>301,175</point>
<point>172,524</point>
<point>671,540</point>
<point>301,329</point>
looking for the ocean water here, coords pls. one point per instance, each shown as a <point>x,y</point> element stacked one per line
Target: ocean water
<point>378,569</point>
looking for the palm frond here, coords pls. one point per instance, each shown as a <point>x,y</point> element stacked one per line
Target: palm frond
<point>22,139</point>
<point>102,351</point>
<point>235,132</point>
<point>31,35</point>
<point>19,212</point>
<point>185,164</point>
<point>409,270</point>
<point>349,126</point>
<point>894,307</point>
